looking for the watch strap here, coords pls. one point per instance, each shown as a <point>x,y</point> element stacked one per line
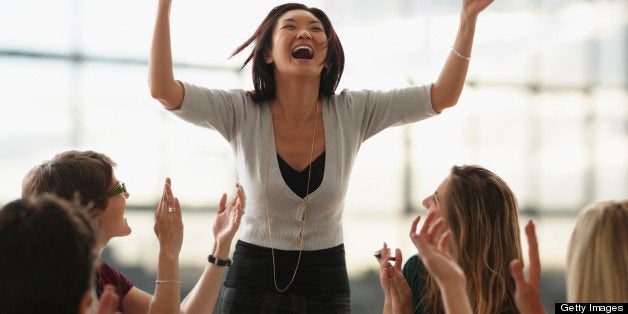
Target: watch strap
<point>218,262</point>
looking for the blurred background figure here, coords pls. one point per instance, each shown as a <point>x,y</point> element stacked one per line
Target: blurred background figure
<point>47,259</point>
<point>597,261</point>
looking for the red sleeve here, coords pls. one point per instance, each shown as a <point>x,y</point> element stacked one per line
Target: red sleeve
<point>108,275</point>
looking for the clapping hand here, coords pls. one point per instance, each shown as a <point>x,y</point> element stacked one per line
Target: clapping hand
<point>528,293</point>
<point>168,223</point>
<point>228,218</point>
<point>397,293</point>
<point>433,247</point>
<point>108,303</point>
<point>434,250</point>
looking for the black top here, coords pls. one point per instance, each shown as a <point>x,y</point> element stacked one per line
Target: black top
<point>297,181</point>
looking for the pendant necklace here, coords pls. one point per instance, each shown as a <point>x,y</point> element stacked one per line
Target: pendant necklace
<point>305,200</point>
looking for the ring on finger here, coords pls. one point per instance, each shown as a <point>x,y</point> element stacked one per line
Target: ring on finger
<point>171,209</point>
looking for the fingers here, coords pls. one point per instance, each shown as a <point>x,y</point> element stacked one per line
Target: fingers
<point>415,222</point>
<point>533,253</point>
<point>238,197</point>
<point>223,202</point>
<point>241,195</point>
<point>434,230</point>
<point>428,221</point>
<point>169,197</point>
<point>384,279</point>
<point>237,212</point>
<point>383,254</point>
<point>516,271</point>
<point>399,289</point>
<point>177,208</point>
<point>164,194</point>
<point>398,259</point>
<point>443,243</point>
<point>108,302</point>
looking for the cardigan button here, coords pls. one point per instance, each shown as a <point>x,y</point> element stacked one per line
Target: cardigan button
<point>300,245</point>
<point>300,224</point>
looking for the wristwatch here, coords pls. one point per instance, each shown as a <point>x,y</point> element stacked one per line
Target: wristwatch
<point>218,262</point>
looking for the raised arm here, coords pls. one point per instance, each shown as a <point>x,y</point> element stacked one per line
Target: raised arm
<point>203,297</point>
<point>448,87</point>
<point>163,86</point>
<point>169,232</point>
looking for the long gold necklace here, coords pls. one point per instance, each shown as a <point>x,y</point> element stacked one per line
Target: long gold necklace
<point>307,193</point>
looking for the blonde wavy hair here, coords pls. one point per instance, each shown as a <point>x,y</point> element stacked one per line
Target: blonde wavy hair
<point>482,213</point>
<point>597,259</point>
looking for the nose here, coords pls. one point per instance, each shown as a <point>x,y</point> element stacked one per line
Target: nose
<point>426,202</point>
<point>304,35</point>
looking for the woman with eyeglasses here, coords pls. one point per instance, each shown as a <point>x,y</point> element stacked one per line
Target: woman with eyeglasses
<point>89,177</point>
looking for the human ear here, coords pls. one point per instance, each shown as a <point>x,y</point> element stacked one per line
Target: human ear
<point>268,58</point>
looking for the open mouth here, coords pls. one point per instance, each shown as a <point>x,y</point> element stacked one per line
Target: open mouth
<point>303,52</point>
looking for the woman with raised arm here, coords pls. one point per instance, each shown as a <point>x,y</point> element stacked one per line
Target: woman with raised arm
<point>295,142</point>
<point>91,176</point>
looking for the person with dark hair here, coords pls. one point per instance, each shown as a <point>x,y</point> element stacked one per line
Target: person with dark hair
<point>295,141</point>
<point>47,259</point>
<point>90,175</point>
<point>480,213</point>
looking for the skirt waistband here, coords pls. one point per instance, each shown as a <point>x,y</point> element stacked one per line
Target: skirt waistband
<point>320,271</point>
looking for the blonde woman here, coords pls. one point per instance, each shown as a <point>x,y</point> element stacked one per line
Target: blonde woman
<point>597,260</point>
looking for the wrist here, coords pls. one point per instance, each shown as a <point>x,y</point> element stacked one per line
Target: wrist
<point>468,18</point>
<point>218,261</point>
<point>168,256</point>
<point>220,251</point>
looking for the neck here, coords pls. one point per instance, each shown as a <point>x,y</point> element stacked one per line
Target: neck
<point>101,242</point>
<point>295,98</point>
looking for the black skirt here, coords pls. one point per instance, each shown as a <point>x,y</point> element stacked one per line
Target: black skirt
<point>319,272</point>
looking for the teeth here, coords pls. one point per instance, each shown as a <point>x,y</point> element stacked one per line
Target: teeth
<point>302,47</point>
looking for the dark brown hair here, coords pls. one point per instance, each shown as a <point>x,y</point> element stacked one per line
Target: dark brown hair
<point>263,75</point>
<point>482,213</point>
<point>47,260</point>
<point>86,172</point>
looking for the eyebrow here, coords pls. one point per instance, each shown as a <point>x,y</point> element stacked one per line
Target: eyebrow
<point>311,22</point>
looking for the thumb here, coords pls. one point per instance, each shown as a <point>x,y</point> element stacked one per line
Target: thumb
<point>516,271</point>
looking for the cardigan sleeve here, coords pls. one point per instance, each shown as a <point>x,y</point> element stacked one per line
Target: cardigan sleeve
<point>374,111</point>
<point>219,110</point>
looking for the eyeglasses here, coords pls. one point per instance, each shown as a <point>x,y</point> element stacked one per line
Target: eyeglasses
<point>119,189</point>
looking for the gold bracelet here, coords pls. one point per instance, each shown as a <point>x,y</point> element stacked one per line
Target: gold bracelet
<point>167,281</point>
<point>461,56</point>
